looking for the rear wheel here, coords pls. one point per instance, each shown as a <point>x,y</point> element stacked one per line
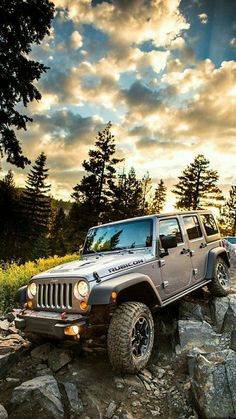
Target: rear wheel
<point>130,337</point>
<point>220,284</point>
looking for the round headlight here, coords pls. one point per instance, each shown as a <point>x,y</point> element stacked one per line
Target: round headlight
<point>32,289</point>
<point>83,288</point>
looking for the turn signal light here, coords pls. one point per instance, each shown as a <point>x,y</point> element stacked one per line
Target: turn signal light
<point>114,295</point>
<point>83,305</point>
<point>71,330</point>
<point>30,304</point>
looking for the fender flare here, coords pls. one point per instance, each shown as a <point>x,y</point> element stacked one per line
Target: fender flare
<point>21,295</point>
<point>212,256</point>
<point>101,292</point>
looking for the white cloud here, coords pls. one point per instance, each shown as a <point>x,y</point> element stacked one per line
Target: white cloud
<point>203,18</point>
<point>233,42</point>
<point>177,43</point>
<point>76,40</point>
<point>128,23</point>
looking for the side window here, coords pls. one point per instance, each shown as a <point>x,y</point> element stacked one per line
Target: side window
<point>192,227</point>
<point>170,227</point>
<point>209,224</point>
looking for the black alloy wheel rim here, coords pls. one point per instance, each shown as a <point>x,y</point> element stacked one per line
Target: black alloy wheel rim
<point>140,337</point>
<point>223,276</point>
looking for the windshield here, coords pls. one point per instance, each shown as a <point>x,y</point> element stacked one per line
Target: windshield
<point>127,235</point>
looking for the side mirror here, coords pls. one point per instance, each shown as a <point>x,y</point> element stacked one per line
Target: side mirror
<point>169,241</point>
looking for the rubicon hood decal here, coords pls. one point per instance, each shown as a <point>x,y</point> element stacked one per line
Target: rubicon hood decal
<point>125,265</point>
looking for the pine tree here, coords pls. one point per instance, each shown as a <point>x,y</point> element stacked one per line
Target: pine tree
<point>57,234</point>
<point>128,199</point>
<point>76,226</point>
<point>93,195</point>
<point>36,202</point>
<point>41,248</point>
<point>9,217</point>
<point>146,183</point>
<point>229,212</point>
<point>158,202</point>
<point>197,187</point>
<point>22,24</point>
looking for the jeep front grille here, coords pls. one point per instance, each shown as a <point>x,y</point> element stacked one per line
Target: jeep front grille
<point>57,296</point>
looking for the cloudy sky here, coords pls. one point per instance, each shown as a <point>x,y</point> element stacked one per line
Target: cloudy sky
<point>162,71</point>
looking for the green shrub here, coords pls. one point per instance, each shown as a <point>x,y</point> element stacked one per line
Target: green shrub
<point>16,276</point>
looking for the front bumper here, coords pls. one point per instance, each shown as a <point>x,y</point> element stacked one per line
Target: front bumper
<point>47,323</point>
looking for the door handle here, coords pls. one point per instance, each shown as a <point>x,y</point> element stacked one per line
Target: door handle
<point>202,245</point>
<point>184,251</point>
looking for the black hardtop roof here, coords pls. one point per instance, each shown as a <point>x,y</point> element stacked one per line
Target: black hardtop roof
<point>160,215</point>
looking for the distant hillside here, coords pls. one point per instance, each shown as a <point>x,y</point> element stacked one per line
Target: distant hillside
<point>56,203</point>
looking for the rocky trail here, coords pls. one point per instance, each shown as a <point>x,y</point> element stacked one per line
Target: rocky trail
<point>192,372</point>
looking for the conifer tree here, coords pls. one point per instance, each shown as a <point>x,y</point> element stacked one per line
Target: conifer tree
<point>76,226</point>
<point>22,24</point>
<point>159,199</point>
<point>146,183</point>
<point>57,234</point>
<point>36,202</point>
<point>10,222</point>
<point>197,187</point>
<point>93,195</point>
<point>128,199</point>
<point>229,212</point>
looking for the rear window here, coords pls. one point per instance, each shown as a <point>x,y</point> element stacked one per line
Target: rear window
<point>192,227</point>
<point>209,224</point>
<point>170,227</point>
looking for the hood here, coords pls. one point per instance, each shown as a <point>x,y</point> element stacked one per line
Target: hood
<point>101,265</point>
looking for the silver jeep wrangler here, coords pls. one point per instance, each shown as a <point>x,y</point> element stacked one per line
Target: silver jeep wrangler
<point>127,270</point>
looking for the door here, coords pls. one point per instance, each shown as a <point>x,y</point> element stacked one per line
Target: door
<point>197,246</point>
<point>176,267</point>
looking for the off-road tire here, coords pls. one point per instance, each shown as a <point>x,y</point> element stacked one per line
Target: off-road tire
<point>120,337</point>
<point>216,286</point>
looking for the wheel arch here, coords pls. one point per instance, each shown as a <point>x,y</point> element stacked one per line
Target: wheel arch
<point>129,287</point>
<point>211,261</point>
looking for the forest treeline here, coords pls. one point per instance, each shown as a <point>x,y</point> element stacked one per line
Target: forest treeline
<point>34,225</point>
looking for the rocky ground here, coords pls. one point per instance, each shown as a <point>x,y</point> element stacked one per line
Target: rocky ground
<point>192,373</point>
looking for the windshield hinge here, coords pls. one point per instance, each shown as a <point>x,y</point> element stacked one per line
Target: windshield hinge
<point>96,276</point>
<point>161,262</point>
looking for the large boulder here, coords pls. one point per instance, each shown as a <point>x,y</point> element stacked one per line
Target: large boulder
<point>76,405</point>
<point>190,310</point>
<point>3,412</point>
<point>214,384</point>
<point>4,325</point>
<point>58,358</point>
<point>194,333</point>
<point>230,317</point>
<point>224,313</point>
<point>6,361</point>
<point>41,353</point>
<point>220,307</point>
<point>43,390</point>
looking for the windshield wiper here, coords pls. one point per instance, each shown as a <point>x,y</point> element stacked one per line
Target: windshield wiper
<point>94,252</point>
<point>125,249</point>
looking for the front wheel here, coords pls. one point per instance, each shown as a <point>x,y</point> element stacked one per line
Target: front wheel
<point>130,337</point>
<point>220,284</point>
